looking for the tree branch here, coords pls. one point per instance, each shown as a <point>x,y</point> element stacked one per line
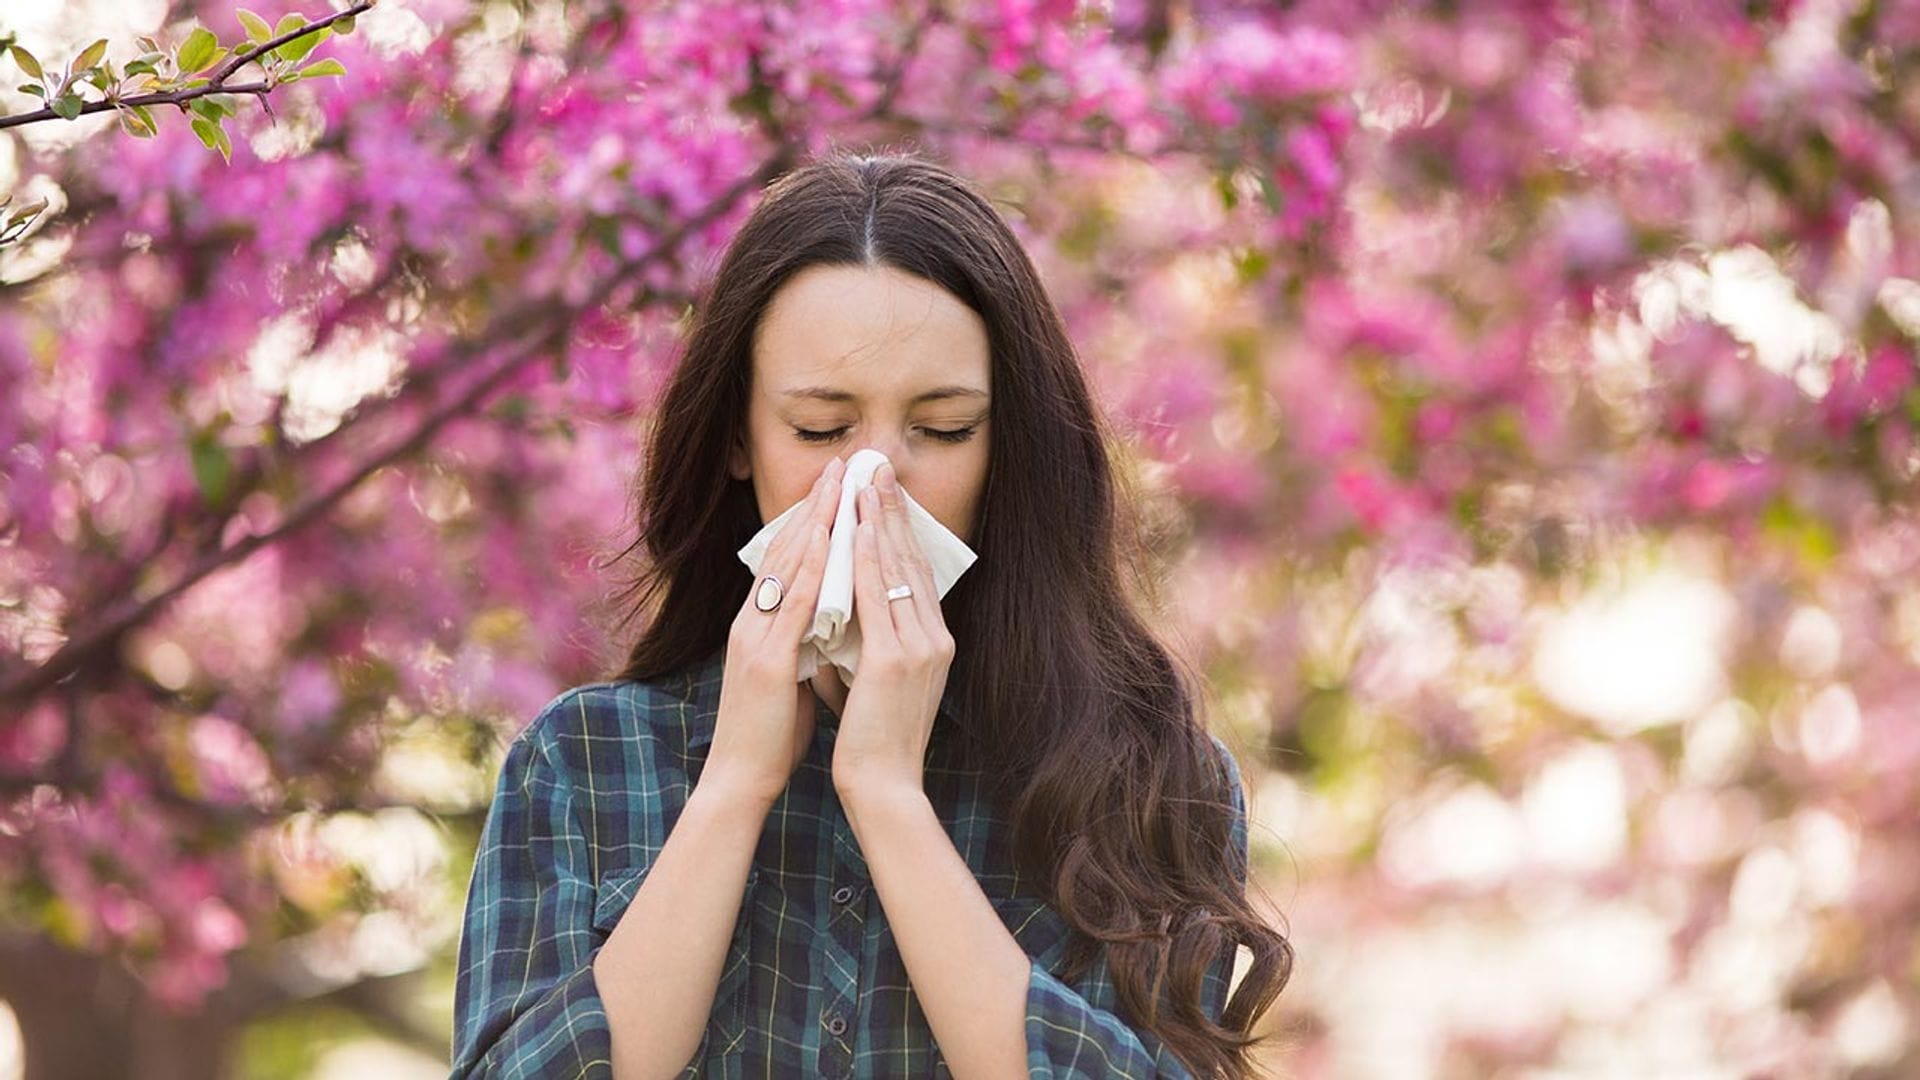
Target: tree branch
<point>216,85</point>
<point>530,329</point>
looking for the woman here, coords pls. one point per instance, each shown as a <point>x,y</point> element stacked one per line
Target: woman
<point>1008,848</point>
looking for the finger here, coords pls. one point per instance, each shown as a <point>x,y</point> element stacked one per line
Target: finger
<point>795,614</point>
<point>876,623</point>
<point>909,561</point>
<point>790,546</point>
<point>906,617</point>
<point>779,552</point>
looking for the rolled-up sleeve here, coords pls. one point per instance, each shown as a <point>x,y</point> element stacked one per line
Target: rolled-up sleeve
<point>1069,1037</point>
<point>525,1003</point>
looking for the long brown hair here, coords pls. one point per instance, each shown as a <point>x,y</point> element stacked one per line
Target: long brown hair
<point>1116,796</point>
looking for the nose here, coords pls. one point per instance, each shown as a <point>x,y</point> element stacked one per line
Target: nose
<point>893,454</point>
<point>895,458</point>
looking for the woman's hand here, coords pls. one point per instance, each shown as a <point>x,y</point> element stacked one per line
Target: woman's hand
<point>905,651</point>
<point>766,713</point>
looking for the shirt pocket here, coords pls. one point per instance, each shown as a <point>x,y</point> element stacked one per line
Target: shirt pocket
<point>724,1039</point>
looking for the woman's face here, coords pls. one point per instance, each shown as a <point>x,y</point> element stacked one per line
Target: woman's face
<point>869,357</point>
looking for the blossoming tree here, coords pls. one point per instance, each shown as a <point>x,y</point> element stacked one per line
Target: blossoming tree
<point>1442,338</point>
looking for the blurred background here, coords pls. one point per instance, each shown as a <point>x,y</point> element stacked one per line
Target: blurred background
<point>1522,396</point>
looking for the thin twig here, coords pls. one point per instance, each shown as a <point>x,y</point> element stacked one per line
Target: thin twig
<point>216,85</point>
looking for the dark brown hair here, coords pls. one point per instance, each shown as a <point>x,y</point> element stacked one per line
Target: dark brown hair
<point>1117,799</point>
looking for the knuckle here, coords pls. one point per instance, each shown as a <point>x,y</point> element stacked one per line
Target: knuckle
<point>761,666</point>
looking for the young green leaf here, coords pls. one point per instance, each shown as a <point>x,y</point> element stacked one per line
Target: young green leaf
<point>208,131</point>
<point>27,63</point>
<point>33,88</point>
<point>329,66</point>
<point>68,106</point>
<point>296,50</point>
<point>257,29</point>
<point>197,51</point>
<point>90,55</point>
<point>343,27</point>
<point>214,136</point>
<point>214,107</point>
<point>133,123</point>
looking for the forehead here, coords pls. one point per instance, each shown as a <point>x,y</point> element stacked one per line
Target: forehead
<point>873,327</point>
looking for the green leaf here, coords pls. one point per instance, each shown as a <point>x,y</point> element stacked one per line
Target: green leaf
<point>140,67</point>
<point>211,467</point>
<point>257,29</point>
<point>292,20</point>
<point>68,106</point>
<point>208,130</point>
<point>296,50</point>
<point>147,115</point>
<point>214,136</point>
<point>27,63</point>
<point>213,106</point>
<point>135,125</point>
<point>329,66</point>
<point>197,51</point>
<point>33,88</point>
<point>148,44</point>
<point>343,27</point>
<point>90,55</point>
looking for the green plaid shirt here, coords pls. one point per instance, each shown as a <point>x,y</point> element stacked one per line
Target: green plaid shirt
<point>813,983</point>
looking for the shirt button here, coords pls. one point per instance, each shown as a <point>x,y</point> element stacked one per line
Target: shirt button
<point>842,894</point>
<point>836,1025</point>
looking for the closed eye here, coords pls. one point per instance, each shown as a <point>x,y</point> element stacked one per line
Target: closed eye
<point>957,435</point>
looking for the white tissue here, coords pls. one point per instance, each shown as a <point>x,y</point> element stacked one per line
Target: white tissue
<point>834,636</point>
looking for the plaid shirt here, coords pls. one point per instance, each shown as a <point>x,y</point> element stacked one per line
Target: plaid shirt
<point>813,982</point>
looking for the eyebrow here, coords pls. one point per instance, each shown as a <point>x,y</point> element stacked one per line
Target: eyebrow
<point>828,393</point>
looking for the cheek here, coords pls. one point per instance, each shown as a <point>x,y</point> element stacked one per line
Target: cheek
<point>954,504</point>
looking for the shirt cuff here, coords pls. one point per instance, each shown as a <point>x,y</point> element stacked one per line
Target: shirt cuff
<point>564,1034</point>
<point>1070,1037</point>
